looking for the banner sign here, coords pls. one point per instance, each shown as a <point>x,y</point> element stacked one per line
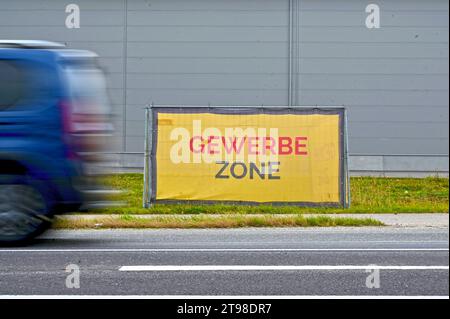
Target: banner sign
<point>249,155</point>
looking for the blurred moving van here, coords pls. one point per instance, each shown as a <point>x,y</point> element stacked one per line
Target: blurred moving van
<point>54,121</point>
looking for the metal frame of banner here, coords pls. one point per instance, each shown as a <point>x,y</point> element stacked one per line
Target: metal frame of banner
<point>146,202</point>
<point>149,190</point>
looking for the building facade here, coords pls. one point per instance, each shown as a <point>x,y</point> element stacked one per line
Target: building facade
<point>392,76</point>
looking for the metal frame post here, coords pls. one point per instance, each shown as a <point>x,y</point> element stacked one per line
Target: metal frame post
<point>348,197</point>
<point>147,154</point>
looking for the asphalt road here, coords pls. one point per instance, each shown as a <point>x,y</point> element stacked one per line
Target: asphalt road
<point>264,262</point>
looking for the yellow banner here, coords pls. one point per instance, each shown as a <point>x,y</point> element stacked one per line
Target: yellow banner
<point>241,157</point>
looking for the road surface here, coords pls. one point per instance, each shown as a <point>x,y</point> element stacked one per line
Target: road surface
<point>235,262</point>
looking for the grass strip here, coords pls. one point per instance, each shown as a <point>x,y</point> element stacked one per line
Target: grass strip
<point>369,195</point>
<point>201,221</point>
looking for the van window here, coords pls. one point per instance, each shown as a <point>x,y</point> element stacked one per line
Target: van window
<point>11,84</point>
<point>88,90</point>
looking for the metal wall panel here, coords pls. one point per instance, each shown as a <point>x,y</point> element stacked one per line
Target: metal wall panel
<point>394,80</point>
<point>204,52</point>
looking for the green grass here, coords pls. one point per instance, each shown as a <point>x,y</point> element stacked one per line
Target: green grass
<point>218,221</point>
<point>369,195</point>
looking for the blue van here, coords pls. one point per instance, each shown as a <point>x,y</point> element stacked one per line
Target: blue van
<point>54,118</point>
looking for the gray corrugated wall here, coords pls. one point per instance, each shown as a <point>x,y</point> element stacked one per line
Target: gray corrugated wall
<point>205,52</point>
<point>394,80</point>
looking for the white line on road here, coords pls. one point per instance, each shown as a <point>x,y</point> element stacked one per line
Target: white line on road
<point>156,250</point>
<point>275,268</point>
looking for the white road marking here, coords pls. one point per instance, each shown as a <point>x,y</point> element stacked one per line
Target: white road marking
<point>274,268</point>
<point>157,250</point>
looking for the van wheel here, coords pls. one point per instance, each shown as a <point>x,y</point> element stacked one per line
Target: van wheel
<point>24,213</point>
